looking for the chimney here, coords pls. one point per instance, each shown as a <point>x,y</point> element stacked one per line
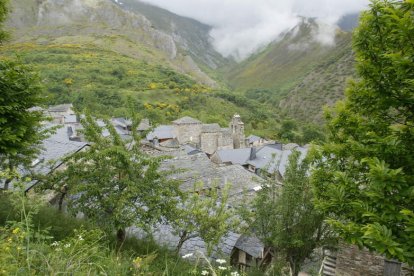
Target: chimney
<point>252,153</point>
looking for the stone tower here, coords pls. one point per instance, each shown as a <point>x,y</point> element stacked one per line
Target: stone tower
<point>237,130</point>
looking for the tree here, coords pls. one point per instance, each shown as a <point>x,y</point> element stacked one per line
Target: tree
<point>203,213</point>
<point>4,10</point>
<point>285,218</point>
<point>287,130</point>
<point>364,176</point>
<point>115,184</point>
<point>20,124</point>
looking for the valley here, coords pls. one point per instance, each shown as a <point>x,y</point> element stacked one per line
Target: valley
<point>109,57</point>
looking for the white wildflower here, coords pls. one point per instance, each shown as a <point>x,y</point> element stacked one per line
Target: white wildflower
<point>222,267</point>
<point>235,273</point>
<point>67,245</point>
<point>187,255</point>
<point>80,237</point>
<point>204,272</point>
<point>55,243</point>
<point>221,261</point>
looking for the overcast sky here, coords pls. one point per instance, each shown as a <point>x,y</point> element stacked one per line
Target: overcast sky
<point>242,26</point>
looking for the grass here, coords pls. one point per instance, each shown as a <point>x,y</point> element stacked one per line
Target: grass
<point>33,242</point>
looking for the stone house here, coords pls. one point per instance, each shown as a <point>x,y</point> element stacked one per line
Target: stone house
<point>255,141</point>
<point>61,113</point>
<point>207,137</point>
<point>265,161</point>
<point>247,252</point>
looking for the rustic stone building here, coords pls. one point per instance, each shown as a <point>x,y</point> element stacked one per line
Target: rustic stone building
<point>207,137</point>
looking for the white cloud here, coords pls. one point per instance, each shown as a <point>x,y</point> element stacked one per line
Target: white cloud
<point>242,26</point>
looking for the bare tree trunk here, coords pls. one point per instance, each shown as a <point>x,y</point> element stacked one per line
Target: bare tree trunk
<point>183,238</point>
<point>294,268</point>
<point>63,191</point>
<point>121,236</point>
<point>7,184</point>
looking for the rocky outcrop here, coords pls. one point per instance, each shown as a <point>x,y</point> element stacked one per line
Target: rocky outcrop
<point>89,21</point>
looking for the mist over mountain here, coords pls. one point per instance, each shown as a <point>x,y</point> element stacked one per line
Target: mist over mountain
<point>348,22</point>
<point>302,66</point>
<point>240,28</point>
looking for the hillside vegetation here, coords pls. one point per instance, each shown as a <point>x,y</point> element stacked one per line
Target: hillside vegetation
<point>296,73</point>
<point>324,85</point>
<point>109,84</point>
<point>110,58</point>
<point>92,23</point>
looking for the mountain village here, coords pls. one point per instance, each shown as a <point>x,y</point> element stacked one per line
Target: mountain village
<point>215,156</point>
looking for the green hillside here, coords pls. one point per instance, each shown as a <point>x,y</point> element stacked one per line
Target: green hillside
<point>109,57</point>
<point>192,36</point>
<point>101,24</point>
<point>296,73</point>
<point>324,85</point>
<point>110,84</point>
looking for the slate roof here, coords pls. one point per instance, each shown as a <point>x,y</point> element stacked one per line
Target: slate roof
<point>186,120</point>
<point>210,128</point>
<point>251,245</point>
<point>71,119</point>
<point>234,156</point>
<point>60,108</point>
<point>171,143</point>
<point>124,133</point>
<point>122,122</point>
<point>144,125</point>
<point>54,149</point>
<point>58,146</point>
<point>162,132</point>
<point>198,167</point>
<point>272,158</point>
<point>190,150</point>
<point>253,138</point>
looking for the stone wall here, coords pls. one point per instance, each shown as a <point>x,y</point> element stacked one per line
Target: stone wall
<point>209,142</point>
<point>225,140</point>
<point>189,133</point>
<point>352,261</point>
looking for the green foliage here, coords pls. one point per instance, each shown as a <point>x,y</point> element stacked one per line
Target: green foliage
<point>286,219</point>
<point>28,248</point>
<point>203,210</point>
<point>116,185</point>
<point>20,127</point>
<point>4,9</point>
<point>364,174</point>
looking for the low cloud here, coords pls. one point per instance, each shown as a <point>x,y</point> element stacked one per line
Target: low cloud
<point>240,27</point>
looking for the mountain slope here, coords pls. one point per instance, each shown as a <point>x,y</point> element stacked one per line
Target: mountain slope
<point>286,61</point>
<point>192,36</point>
<point>324,85</point>
<point>297,72</point>
<point>103,24</point>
